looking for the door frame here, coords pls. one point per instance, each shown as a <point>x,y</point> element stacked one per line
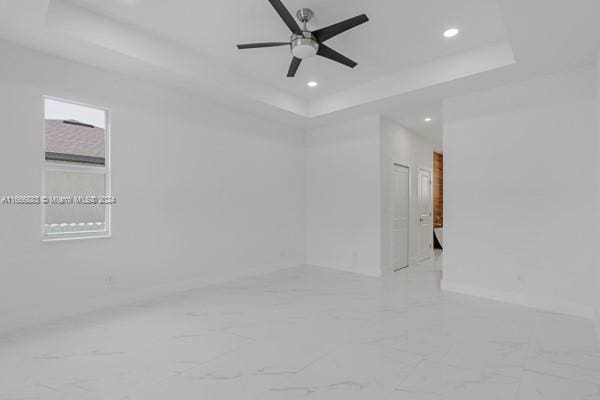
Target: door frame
<point>418,238</point>
<point>391,217</point>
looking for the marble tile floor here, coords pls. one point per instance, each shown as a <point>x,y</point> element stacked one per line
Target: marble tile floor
<point>307,333</point>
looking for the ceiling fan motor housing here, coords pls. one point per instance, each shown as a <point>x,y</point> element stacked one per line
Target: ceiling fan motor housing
<point>304,46</point>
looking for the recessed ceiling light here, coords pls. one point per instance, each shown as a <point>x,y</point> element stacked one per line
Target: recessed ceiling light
<point>312,84</point>
<point>428,119</point>
<point>450,33</point>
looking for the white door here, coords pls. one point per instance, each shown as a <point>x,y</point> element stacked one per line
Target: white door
<point>400,216</point>
<point>425,215</point>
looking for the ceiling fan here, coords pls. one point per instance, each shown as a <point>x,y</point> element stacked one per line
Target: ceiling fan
<point>305,43</point>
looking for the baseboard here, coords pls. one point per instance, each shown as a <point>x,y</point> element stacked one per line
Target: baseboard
<point>52,312</point>
<point>539,303</point>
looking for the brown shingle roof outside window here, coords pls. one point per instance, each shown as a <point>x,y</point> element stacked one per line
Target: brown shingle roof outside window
<point>75,142</point>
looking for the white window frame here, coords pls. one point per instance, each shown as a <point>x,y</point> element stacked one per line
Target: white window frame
<point>67,167</point>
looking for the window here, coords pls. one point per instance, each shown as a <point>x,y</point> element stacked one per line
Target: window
<point>76,176</point>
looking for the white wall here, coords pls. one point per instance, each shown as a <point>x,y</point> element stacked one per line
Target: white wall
<point>401,146</point>
<point>520,167</point>
<point>343,196</point>
<point>204,194</point>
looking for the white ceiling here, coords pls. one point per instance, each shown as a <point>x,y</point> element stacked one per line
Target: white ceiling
<point>400,34</point>
<point>406,68</point>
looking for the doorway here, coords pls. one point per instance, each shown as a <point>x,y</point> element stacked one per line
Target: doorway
<point>400,216</point>
<point>425,213</point>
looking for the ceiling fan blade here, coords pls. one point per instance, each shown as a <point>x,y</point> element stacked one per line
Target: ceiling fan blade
<point>328,52</point>
<point>260,45</point>
<point>286,16</point>
<point>294,67</point>
<point>330,31</point>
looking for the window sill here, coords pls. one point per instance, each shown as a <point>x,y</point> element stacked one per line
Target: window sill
<point>75,236</point>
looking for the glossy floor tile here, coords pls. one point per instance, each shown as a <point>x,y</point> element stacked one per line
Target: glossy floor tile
<point>308,333</point>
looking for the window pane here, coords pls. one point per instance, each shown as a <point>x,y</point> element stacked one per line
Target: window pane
<point>75,133</point>
<point>73,217</point>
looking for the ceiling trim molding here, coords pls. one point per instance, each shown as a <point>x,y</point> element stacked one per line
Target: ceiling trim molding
<point>443,70</point>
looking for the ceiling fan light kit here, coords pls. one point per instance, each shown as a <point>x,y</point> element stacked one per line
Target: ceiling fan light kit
<point>305,43</point>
